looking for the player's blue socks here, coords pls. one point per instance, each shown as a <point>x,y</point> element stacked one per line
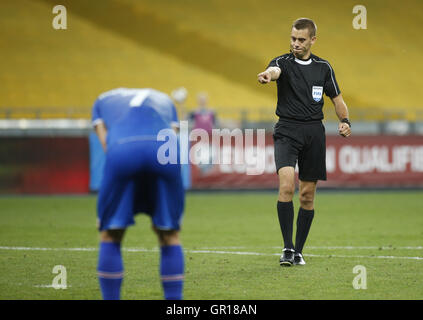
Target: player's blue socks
<point>110,270</point>
<point>172,271</point>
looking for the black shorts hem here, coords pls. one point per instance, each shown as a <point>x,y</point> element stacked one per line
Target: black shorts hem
<point>312,179</point>
<point>282,166</point>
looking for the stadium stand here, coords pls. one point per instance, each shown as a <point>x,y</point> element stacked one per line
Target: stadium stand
<point>216,46</point>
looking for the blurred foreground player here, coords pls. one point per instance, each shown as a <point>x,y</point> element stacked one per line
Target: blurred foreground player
<point>299,136</point>
<point>127,122</point>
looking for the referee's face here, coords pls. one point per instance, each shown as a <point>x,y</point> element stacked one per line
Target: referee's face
<point>301,43</point>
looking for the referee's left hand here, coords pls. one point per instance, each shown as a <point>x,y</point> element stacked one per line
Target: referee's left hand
<point>344,129</point>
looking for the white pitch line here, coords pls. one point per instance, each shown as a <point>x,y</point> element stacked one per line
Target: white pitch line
<point>325,248</point>
<point>213,252</point>
<point>51,286</point>
<point>367,248</point>
<point>367,257</point>
<point>233,252</point>
<point>46,249</point>
<point>305,255</point>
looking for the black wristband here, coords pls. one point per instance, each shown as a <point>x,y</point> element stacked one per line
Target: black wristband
<point>345,120</point>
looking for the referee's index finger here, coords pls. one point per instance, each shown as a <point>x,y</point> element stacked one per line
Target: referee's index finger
<point>261,78</point>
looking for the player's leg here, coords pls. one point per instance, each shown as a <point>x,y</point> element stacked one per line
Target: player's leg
<point>166,223</point>
<point>287,145</point>
<point>307,191</point>
<point>286,213</point>
<point>115,214</point>
<point>166,199</point>
<point>285,206</point>
<point>110,264</point>
<point>312,167</point>
<point>167,237</point>
<point>160,194</point>
<point>171,264</point>
<point>114,235</point>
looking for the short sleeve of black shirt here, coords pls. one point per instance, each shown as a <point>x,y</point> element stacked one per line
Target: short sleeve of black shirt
<point>276,62</point>
<point>331,87</point>
<point>272,63</point>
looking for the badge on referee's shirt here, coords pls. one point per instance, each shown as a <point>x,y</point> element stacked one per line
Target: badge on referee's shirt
<point>317,93</point>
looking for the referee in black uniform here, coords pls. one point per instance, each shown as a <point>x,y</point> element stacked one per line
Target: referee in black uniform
<point>302,78</point>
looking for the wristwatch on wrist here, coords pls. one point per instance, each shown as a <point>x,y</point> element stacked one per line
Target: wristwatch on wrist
<point>345,120</point>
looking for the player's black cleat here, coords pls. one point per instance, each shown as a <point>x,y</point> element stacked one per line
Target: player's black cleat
<point>287,257</point>
<point>298,259</point>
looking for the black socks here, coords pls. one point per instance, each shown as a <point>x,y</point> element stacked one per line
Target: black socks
<point>286,222</point>
<point>304,219</point>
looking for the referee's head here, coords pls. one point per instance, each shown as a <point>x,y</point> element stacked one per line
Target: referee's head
<point>303,36</point>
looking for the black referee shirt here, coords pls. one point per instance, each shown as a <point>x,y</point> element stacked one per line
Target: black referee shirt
<point>301,86</point>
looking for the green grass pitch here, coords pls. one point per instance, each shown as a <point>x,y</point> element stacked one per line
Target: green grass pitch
<point>232,245</point>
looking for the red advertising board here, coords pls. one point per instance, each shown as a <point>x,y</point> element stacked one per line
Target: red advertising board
<point>61,165</point>
<point>44,165</point>
<point>357,161</point>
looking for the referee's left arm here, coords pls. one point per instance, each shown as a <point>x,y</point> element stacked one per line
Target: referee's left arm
<point>341,110</point>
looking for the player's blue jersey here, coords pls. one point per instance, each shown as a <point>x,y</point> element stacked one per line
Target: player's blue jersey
<point>134,112</point>
<point>134,180</point>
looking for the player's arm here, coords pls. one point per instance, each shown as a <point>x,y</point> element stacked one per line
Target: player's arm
<point>101,131</point>
<point>270,74</point>
<point>341,109</point>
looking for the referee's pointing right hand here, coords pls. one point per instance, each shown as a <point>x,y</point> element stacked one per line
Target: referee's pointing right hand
<point>264,77</point>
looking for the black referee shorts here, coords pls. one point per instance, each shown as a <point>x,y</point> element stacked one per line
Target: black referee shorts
<point>304,142</point>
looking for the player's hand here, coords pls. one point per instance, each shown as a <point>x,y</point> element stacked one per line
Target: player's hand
<point>344,129</point>
<point>264,77</point>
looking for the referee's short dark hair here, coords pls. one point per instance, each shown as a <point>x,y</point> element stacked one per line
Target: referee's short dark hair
<point>305,23</point>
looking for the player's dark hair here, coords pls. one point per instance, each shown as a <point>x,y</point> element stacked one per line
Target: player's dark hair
<point>305,23</point>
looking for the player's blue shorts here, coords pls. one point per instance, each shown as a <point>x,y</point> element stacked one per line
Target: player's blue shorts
<point>134,182</point>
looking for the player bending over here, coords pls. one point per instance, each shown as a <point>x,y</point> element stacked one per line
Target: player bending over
<point>127,122</point>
